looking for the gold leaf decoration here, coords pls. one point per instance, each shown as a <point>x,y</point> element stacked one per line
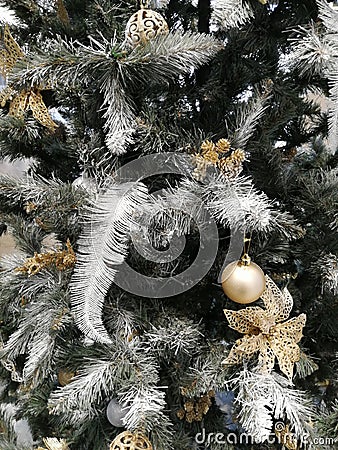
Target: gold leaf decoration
<point>10,53</point>
<point>57,322</point>
<point>194,409</point>
<point>6,95</point>
<point>40,111</point>
<point>62,260</point>
<point>266,332</point>
<point>19,105</point>
<point>65,377</point>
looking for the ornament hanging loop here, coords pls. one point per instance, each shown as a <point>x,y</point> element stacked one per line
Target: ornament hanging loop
<point>245,259</point>
<point>144,4</point>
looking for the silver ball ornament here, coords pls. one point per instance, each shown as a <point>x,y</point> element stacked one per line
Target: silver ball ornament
<point>116,413</point>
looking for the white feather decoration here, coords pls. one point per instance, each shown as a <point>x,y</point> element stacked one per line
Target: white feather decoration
<point>103,245</point>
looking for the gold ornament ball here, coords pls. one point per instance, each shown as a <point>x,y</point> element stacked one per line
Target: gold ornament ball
<point>130,441</point>
<point>243,283</point>
<point>144,25</point>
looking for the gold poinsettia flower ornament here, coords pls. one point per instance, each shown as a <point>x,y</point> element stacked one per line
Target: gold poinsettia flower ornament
<point>267,331</point>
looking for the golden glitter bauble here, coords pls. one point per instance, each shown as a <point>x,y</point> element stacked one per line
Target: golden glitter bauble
<point>243,282</point>
<point>65,377</point>
<point>144,25</point>
<point>131,441</point>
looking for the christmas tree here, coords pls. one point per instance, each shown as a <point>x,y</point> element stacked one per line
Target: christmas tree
<point>174,283</point>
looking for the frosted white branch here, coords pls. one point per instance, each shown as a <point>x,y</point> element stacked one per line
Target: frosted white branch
<point>236,203</point>
<point>327,268</point>
<point>95,381</point>
<point>263,398</point>
<point>312,52</point>
<point>231,13</point>
<point>120,119</point>
<point>168,56</point>
<point>247,120</point>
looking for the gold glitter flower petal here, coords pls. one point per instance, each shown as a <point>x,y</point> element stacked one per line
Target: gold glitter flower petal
<point>267,357</point>
<point>278,304</point>
<point>250,344</point>
<point>19,105</point>
<point>244,347</point>
<point>248,320</point>
<point>5,95</point>
<point>286,355</point>
<point>291,330</point>
<point>40,111</point>
<point>11,53</point>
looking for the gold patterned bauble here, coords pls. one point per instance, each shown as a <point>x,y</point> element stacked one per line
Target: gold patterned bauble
<point>243,281</point>
<point>65,377</point>
<point>145,25</point>
<point>131,441</point>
